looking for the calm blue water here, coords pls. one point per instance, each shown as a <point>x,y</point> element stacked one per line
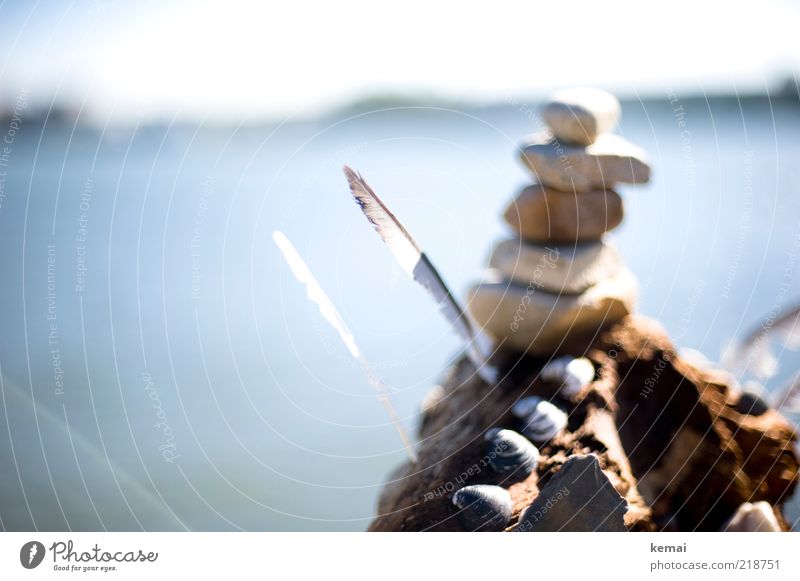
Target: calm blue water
<point>161,369</point>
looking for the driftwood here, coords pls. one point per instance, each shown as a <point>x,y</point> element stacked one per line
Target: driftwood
<point>667,435</point>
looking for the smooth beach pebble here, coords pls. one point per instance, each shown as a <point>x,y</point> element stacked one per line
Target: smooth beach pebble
<point>579,115</point>
<point>755,517</point>
<point>529,319</point>
<point>609,160</point>
<point>542,214</point>
<point>431,399</point>
<point>565,268</point>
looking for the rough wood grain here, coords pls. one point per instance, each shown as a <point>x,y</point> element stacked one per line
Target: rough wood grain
<point>666,433</point>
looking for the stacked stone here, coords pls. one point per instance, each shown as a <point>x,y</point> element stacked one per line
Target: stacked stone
<point>553,285</point>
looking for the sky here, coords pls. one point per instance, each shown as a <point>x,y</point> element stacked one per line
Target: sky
<point>230,59</point>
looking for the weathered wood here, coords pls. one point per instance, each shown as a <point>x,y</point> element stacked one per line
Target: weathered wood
<point>666,434</point>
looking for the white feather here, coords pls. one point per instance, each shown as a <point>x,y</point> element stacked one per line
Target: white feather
<point>417,265</point>
<point>326,307</point>
<point>787,399</point>
<point>315,292</point>
<point>755,353</point>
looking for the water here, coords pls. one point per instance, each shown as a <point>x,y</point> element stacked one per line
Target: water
<point>163,370</point>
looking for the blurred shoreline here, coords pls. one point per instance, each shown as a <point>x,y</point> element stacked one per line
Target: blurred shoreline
<point>66,112</point>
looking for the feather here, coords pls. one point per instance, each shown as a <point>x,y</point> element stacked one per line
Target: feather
<point>417,265</point>
<point>787,399</point>
<point>787,328</point>
<point>329,312</point>
<point>754,354</point>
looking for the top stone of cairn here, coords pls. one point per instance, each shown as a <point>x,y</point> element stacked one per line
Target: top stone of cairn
<point>578,116</point>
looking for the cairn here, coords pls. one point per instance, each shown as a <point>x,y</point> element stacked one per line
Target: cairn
<point>557,282</point>
<point>573,442</point>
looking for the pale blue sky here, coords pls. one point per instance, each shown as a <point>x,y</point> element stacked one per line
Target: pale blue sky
<point>232,58</point>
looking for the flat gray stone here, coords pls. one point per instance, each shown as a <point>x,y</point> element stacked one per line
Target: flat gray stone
<point>565,268</point>
<point>530,319</point>
<point>609,160</point>
<point>578,498</point>
<point>578,116</point>
<point>542,214</point>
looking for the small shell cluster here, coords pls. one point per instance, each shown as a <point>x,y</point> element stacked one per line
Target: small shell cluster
<point>542,420</point>
<point>511,453</point>
<point>488,507</point>
<point>571,373</point>
<point>483,507</point>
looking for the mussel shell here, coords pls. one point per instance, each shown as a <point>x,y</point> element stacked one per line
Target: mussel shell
<point>571,373</point>
<point>751,404</point>
<point>542,420</point>
<point>525,406</point>
<point>483,507</point>
<point>510,452</point>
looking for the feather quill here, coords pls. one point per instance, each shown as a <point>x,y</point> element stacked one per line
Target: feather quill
<point>787,400</point>
<point>417,265</point>
<point>329,312</point>
<point>754,354</point>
